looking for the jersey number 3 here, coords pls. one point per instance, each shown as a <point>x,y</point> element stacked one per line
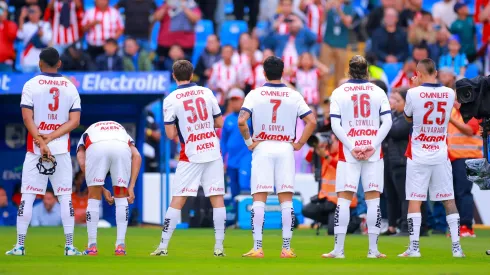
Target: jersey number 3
<point>364,106</point>
<point>429,105</point>
<point>53,107</point>
<point>200,105</point>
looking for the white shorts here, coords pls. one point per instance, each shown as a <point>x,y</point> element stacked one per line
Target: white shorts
<point>35,183</point>
<point>108,156</point>
<point>273,166</point>
<point>189,176</point>
<point>437,179</point>
<point>370,173</point>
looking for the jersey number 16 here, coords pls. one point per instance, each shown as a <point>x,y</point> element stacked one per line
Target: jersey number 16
<point>364,106</point>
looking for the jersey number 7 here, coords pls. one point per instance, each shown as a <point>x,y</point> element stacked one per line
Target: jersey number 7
<point>277,103</point>
<point>200,105</point>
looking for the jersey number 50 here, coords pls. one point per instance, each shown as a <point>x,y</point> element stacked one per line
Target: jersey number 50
<point>202,110</point>
<point>364,105</point>
<point>56,98</point>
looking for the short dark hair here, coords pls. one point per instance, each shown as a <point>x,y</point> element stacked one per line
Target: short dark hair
<point>358,68</point>
<point>50,56</point>
<point>111,41</point>
<point>429,65</point>
<point>227,46</point>
<point>182,70</point>
<point>381,84</point>
<point>274,68</point>
<point>50,190</point>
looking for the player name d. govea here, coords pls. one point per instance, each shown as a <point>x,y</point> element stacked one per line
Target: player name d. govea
<point>201,136</point>
<point>264,136</point>
<point>426,138</point>
<point>362,132</point>
<point>48,126</point>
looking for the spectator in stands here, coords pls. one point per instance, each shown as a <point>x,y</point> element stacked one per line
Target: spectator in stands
<point>454,59</point>
<point>48,212</point>
<point>307,78</point>
<point>447,77</point>
<point>36,35</point>
<point>75,59</point>
<point>465,28</point>
<point>376,72</point>
<point>336,38</point>
<point>282,19</point>
<point>110,60</point>
<point>135,59</point>
<point>101,23</point>
<point>441,46</point>
<point>79,198</point>
<point>225,75</point>
<point>233,147</point>
<point>389,43</point>
<point>137,20</point>
<point>19,4</point>
<point>253,11</point>
<point>175,53</point>
<point>443,13</point>
<point>246,44</point>
<point>420,52</point>
<point>8,33</point>
<point>8,212</point>
<point>256,77</point>
<point>209,56</point>
<point>403,77</point>
<point>210,8</point>
<point>422,30</point>
<point>315,14</point>
<point>151,148</point>
<point>376,16</point>
<point>482,15</point>
<point>397,141</point>
<point>412,9</point>
<point>177,20</point>
<point>65,17</point>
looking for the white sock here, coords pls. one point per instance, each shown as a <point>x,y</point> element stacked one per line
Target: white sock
<point>219,218</point>
<point>169,224</point>
<point>414,223</point>
<point>122,216</point>
<point>67,218</point>
<point>93,208</point>
<point>24,215</point>
<point>287,223</point>
<point>258,212</point>
<point>341,221</point>
<point>453,222</point>
<point>374,223</point>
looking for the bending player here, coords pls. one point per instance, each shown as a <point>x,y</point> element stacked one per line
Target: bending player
<point>192,113</point>
<point>51,110</point>
<point>429,106</point>
<point>106,147</point>
<point>274,109</point>
<point>356,109</point>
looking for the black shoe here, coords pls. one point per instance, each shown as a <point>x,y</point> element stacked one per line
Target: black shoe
<point>388,233</point>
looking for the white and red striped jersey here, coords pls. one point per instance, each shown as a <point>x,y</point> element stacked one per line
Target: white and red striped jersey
<point>359,105</point>
<point>242,59</point>
<point>30,54</point>
<point>111,22</point>
<point>256,77</point>
<point>104,131</point>
<point>430,106</point>
<point>51,97</point>
<point>307,84</point>
<point>224,77</point>
<point>315,15</point>
<point>62,35</point>
<point>283,28</point>
<point>193,109</point>
<point>290,56</point>
<point>401,80</point>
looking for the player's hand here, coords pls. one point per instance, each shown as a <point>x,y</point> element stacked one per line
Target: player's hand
<point>297,146</point>
<point>357,153</point>
<point>47,138</point>
<point>130,195</point>
<point>252,147</point>
<point>368,152</point>
<point>45,152</point>
<point>108,196</point>
<point>415,81</point>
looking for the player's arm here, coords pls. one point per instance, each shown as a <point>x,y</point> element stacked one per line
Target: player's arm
<point>135,170</point>
<point>335,121</point>
<point>386,121</point>
<point>65,128</point>
<point>169,119</point>
<point>170,131</point>
<point>243,125</point>
<point>408,110</point>
<point>81,157</point>
<point>310,127</point>
<point>28,117</point>
<point>469,129</point>
<point>218,117</point>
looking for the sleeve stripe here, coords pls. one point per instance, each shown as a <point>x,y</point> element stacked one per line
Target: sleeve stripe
<point>246,110</point>
<point>334,115</point>
<point>406,115</point>
<point>305,114</point>
<point>76,110</point>
<point>26,106</point>
<point>217,115</point>
<point>384,113</point>
<point>169,122</point>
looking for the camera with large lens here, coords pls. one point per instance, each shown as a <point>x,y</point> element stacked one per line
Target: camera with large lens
<point>319,138</point>
<point>474,96</point>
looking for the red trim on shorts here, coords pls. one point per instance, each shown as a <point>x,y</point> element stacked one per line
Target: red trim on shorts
<point>30,143</point>
<point>408,152</point>
<point>341,152</point>
<point>69,142</point>
<point>183,156</point>
<point>381,153</point>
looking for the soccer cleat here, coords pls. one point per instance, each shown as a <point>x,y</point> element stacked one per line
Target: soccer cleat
<point>16,251</point>
<point>287,253</point>
<point>120,250</point>
<point>219,253</point>
<point>466,232</point>
<point>159,252</point>
<point>259,253</point>
<point>72,251</point>
<point>91,250</point>
<point>334,255</point>
<point>375,254</point>
<point>410,254</point>
<point>458,254</point>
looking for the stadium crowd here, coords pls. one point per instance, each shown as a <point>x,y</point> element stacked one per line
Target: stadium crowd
<point>315,39</point>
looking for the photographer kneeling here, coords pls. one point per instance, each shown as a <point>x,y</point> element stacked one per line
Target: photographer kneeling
<point>322,207</point>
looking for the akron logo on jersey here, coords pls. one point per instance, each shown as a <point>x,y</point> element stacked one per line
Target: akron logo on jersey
<point>15,135</point>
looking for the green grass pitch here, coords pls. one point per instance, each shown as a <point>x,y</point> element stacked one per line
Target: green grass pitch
<point>191,252</point>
